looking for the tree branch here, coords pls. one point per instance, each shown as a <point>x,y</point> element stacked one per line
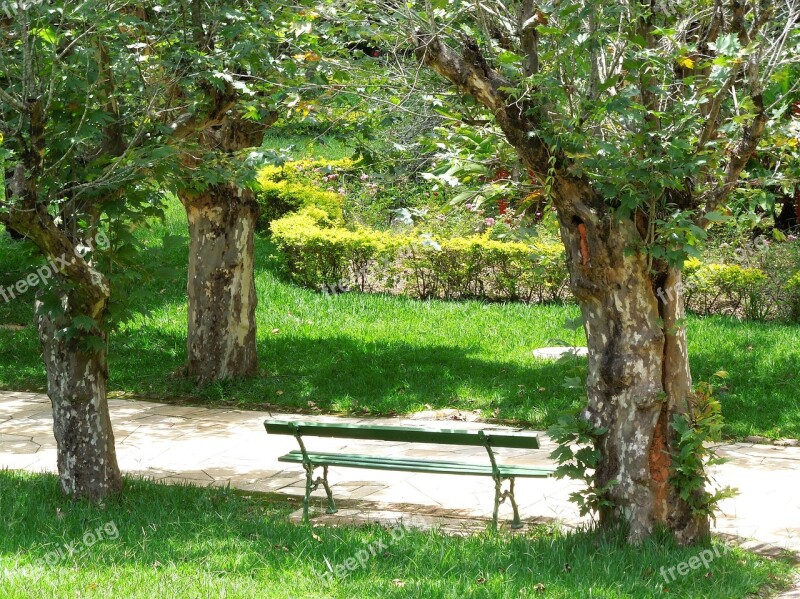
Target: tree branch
<point>472,75</point>
<point>740,155</point>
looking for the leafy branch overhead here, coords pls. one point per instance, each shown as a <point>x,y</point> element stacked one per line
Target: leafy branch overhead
<point>653,110</point>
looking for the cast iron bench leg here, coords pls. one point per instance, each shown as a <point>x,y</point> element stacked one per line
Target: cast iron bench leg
<point>331,505</point>
<point>313,485</point>
<point>500,496</point>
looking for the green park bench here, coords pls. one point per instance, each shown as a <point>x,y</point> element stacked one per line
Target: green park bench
<point>490,439</point>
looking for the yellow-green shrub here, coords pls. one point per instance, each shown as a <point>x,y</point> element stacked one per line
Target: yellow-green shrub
<point>277,198</point>
<point>307,170</point>
<point>321,255</point>
<point>478,266</point>
<point>724,288</point>
<point>793,288</point>
<point>296,185</point>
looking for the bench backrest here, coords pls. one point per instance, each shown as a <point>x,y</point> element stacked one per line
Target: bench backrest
<point>403,434</point>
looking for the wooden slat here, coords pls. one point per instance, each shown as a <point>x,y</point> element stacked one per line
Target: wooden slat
<point>405,434</point>
<point>413,465</point>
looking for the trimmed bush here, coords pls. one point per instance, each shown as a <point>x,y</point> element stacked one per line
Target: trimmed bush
<point>481,267</point>
<point>793,289</point>
<point>725,289</point>
<point>297,185</point>
<point>323,256</point>
<point>306,170</point>
<point>278,198</point>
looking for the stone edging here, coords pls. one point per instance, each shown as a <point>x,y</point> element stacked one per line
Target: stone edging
<point>757,440</point>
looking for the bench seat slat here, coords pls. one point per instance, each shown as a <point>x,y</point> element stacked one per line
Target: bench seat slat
<point>404,434</point>
<point>413,465</point>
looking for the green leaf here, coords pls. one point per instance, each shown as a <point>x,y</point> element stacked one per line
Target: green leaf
<point>47,34</point>
<point>717,217</point>
<point>85,323</point>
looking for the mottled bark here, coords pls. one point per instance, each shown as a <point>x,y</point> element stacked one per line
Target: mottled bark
<point>76,385</point>
<point>76,375</point>
<point>638,377</point>
<point>222,297</point>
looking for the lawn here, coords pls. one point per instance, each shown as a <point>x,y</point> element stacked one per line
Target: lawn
<point>376,354</point>
<point>158,541</point>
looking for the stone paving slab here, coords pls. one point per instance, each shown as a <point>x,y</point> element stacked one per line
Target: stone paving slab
<point>208,447</point>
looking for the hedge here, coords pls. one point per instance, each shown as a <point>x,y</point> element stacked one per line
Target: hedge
<point>322,255</point>
<point>725,289</point>
<point>308,226</point>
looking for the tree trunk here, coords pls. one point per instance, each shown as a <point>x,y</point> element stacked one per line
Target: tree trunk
<point>76,384</point>
<point>638,377</point>
<point>222,295</point>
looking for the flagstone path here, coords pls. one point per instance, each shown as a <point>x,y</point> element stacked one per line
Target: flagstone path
<point>178,444</point>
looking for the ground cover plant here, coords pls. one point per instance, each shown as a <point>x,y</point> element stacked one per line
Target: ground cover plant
<point>158,540</point>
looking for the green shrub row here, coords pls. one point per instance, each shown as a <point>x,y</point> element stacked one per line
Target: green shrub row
<point>725,289</point>
<point>793,290</point>
<point>325,256</point>
<point>307,224</point>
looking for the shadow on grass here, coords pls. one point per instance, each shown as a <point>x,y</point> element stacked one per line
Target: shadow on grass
<point>188,541</point>
<point>340,374</point>
<point>392,373</point>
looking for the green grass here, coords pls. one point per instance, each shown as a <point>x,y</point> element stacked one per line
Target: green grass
<point>378,354</point>
<point>174,541</point>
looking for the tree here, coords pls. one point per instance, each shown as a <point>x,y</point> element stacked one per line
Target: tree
<point>638,120</point>
<point>233,64</point>
<point>73,121</point>
<point>103,105</point>
<point>221,210</point>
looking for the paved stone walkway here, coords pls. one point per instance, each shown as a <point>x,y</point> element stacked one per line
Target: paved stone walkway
<point>229,447</point>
